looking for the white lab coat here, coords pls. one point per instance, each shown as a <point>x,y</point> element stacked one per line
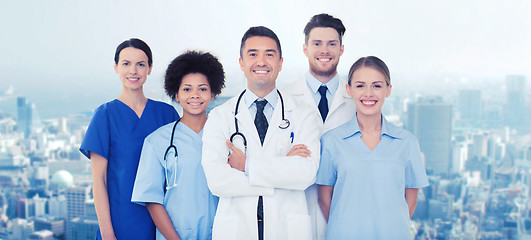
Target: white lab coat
<point>342,110</point>
<point>281,180</point>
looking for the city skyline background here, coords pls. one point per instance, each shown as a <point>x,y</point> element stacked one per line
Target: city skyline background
<point>459,72</point>
<point>60,54</point>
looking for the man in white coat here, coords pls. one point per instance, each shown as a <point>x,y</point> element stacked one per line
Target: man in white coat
<point>261,151</point>
<point>323,90</point>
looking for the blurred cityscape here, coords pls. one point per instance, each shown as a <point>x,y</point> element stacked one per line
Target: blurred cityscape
<point>475,149</point>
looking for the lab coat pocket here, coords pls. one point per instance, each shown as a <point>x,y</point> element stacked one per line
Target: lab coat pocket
<point>283,145</point>
<point>225,227</point>
<point>299,227</point>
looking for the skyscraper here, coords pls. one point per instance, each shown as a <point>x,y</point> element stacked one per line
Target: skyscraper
<point>515,102</point>
<point>75,200</point>
<point>469,106</point>
<point>27,117</point>
<point>23,116</point>
<point>430,119</point>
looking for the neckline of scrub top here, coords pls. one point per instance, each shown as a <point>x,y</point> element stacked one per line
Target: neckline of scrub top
<point>133,111</point>
<point>183,127</point>
<point>353,127</point>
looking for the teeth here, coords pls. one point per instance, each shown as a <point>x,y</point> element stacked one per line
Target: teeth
<point>133,79</point>
<point>195,104</point>
<point>324,59</point>
<point>368,102</point>
<point>260,71</point>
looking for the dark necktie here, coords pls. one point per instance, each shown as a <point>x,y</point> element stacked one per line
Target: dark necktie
<point>260,122</point>
<point>323,104</point>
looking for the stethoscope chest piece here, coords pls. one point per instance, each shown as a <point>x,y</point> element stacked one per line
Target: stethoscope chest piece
<point>284,124</point>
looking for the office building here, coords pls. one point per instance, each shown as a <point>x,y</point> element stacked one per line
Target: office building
<point>430,119</point>
<point>469,106</point>
<point>28,119</point>
<point>50,223</point>
<point>515,102</point>
<point>75,201</point>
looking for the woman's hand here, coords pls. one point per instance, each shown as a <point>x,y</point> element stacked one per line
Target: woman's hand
<point>162,221</point>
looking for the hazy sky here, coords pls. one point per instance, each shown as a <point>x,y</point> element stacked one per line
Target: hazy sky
<point>60,53</point>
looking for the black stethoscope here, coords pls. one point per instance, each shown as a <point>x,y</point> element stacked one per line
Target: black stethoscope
<point>168,187</point>
<point>283,124</point>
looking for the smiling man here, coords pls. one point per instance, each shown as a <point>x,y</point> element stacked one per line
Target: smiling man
<point>323,90</point>
<point>261,151</point>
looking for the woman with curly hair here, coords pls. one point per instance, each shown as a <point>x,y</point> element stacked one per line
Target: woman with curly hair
<point>170,180</point>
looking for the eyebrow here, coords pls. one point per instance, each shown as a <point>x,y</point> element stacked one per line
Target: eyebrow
<point>125,60</point>
<point>200,85</point>
<point>256,50</point>
<point>317,40</point>
<point>370,83</point>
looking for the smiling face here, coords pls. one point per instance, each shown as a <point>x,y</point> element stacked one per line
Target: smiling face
<point>261,63</point>
<point>194,94</point>
<point>132,68</point>
<point>368,89</point>
<point>323,50</point>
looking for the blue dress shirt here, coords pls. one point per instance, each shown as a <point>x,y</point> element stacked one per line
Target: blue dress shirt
<point>272,100</point>
<point>314,84</point>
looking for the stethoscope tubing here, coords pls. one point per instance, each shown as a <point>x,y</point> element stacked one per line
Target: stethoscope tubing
<point>283,125</point>
<point>168,187</point>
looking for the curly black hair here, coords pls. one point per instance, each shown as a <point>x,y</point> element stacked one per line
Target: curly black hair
<point>194,62</point>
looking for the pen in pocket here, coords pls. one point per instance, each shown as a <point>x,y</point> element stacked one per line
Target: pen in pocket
<point>292,136</point>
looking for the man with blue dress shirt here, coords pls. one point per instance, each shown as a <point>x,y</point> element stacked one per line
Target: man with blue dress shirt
<point>261,151</point>
<point>325,91</point>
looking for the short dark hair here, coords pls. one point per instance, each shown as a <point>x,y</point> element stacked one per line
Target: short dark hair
<point>370,62</point>
<point>326,21</point>
<point>260,31</point>
<point>194,62</point>
<point>135,43</point>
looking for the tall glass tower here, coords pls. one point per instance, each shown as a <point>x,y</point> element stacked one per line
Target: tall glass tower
<point>430,119</point>
<point>515,102</point>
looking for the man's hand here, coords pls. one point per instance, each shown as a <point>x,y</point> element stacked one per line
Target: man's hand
<point>300,150</point>
<point>236,158</point>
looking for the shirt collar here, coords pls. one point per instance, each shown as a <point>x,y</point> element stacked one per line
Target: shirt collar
<point>314,83</point>
<point>353,128</point>
<point>250,97</point>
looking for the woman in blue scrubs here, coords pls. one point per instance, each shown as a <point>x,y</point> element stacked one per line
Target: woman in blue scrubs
<point>170,180</point>
<point>113,142</point>
<point>370,170</point>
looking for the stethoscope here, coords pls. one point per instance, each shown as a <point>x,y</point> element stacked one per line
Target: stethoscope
<point>168,187</point>
<point>283,124</point>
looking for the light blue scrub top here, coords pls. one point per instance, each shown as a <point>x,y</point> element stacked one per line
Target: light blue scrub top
<point>368,200</point>
<point>190,206</point>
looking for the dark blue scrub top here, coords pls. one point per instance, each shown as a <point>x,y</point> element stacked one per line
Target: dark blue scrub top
<point>116,133</point>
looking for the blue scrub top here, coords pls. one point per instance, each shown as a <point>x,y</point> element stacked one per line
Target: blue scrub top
<point>368,200</point>
<point>117,133</point>
<point>190,205</point>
